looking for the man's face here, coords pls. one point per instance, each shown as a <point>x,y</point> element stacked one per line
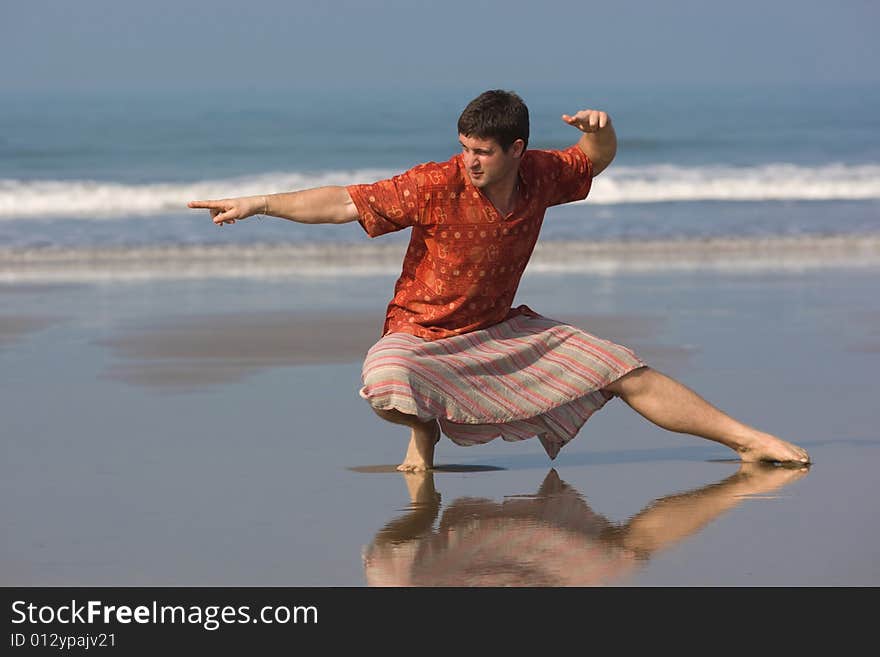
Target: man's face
<point>486,162</point>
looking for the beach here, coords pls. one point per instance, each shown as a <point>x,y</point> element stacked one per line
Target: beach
<point>180,401</point>
<point>206,430</point>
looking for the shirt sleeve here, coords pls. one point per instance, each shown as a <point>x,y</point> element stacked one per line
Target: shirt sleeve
<point>387,205</point>
<point>565,175</point>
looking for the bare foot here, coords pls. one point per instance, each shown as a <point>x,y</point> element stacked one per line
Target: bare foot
<point>766,447</point>
<point>420,453</point>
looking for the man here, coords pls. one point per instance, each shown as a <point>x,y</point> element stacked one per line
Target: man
<point>455,357</point>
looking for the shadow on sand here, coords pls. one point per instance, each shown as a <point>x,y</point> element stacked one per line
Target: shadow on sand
<point>451,467</point>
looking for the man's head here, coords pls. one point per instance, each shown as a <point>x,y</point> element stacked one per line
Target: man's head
<point>494,132</point>
<point>496,114</point>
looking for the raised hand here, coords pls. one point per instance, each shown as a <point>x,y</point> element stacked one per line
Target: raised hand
<point>230,210</point>
<point>588,120</point>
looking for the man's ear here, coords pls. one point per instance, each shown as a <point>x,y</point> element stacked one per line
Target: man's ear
<point>518,147</point>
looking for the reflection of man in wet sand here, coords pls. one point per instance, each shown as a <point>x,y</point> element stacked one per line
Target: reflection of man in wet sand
<point>550,539</point>
<point>455,356</point>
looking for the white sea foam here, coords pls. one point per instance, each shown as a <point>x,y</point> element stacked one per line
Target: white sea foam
<point>768,182</point>
<point>120,264</point>
<point>107,200</point>
<point>36,199</point>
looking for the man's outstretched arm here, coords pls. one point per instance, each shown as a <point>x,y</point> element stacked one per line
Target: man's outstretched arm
<point>599,141</point>
<point>321,205</point>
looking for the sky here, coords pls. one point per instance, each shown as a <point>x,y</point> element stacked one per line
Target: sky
<point>241,46</point>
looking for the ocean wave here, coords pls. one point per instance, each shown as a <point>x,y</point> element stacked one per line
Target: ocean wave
<point>48,199</point>
<point>268,261</point>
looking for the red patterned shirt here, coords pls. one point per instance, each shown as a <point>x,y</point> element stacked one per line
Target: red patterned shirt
<point>464,260</point>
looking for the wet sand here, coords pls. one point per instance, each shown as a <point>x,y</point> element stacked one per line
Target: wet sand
<point>15,327</point>
<point>210,433</point>
<point>208,349</point>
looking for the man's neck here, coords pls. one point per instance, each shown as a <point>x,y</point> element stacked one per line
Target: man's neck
<point>503,194</point>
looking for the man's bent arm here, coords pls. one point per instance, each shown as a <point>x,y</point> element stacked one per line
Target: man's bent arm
<point>599,140</point>
<point>320,205</point>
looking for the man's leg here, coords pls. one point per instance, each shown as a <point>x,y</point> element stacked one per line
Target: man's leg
<point>669,404</point>
<point>425,435</point>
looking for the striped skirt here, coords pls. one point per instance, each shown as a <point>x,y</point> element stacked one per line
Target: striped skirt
<point>527,376</point>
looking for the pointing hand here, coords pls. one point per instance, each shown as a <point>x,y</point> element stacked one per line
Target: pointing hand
<point>227,211</point>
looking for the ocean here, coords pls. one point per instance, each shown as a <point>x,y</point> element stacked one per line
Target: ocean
<point>85,175</point>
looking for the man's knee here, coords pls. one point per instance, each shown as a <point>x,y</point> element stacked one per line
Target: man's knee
<point>389,415</point>
<point>397,417</point>
<point>630,383</point>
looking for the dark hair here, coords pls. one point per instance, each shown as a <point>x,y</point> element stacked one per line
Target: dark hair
<point>496,114</point>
